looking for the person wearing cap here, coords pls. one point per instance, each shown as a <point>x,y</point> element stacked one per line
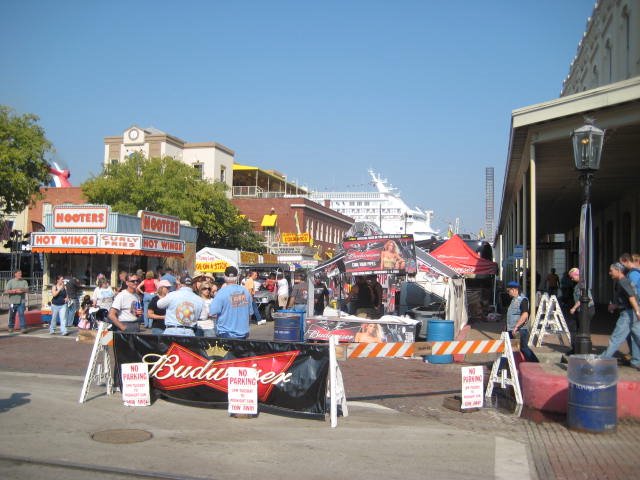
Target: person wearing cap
<point>626,303</point>
<point>518,318</point>
<point>155,313</point>
<point>232,305</point>
<point>184,308</point>
<point>574,321</point>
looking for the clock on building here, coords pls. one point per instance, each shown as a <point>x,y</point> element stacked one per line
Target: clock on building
<point>133,134</point>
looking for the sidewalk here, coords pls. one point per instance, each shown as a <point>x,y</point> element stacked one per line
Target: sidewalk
<point>420,429</point>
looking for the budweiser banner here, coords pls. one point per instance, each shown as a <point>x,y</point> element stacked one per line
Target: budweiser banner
<point>292,377</point>
<point>380,254</point>
<point>359,331</point>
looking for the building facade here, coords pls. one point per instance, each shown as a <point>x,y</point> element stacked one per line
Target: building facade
<point>609,51</point>
<point>295,227</point>
<point>213,161</point>
<point>542,193</point>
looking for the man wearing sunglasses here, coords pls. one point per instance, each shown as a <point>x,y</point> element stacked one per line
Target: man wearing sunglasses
<point>126,309</point>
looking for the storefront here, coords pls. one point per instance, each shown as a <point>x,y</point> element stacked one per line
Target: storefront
<point>87,240</point>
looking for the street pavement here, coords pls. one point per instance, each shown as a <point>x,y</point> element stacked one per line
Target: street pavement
<point>397,428</point>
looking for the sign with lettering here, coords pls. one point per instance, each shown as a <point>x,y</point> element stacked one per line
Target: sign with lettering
<point>74,216</point>
<point>163,245</point>
<point>64,240</point>
<point>158,224</point>
<point>243,390</point>
<point>472,387</point>
<point>380,254</point>
<point>212,266</point>
<point>119,241</point>
<point>295,237</point>
<point>135,385</point>
<point>249,258</point>
<point>291,377</point>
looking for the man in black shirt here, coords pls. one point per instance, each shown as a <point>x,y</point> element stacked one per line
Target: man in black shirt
<point>156,314</point>
<point>626,302</point>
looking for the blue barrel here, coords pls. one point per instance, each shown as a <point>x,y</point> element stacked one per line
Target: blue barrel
<point>288,326</point>
<point>438,331</point>
<point>593,394</point>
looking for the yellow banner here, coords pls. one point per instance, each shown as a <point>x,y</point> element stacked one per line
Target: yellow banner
<point>215,266</point>
<point>269,258</point>
<point>295,237</point>
<point>249,258</point>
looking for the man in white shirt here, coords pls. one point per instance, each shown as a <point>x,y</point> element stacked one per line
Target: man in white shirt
<point>127,307</point>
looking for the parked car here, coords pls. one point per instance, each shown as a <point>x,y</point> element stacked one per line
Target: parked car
<point>268,301</point>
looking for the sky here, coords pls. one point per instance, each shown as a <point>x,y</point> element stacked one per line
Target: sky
<point>418,91</point>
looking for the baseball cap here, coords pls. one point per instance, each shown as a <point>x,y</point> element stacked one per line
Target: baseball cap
<point>164,283</point>
<point>513,284</point>
<point>231,271</point>
<point>186,280</point>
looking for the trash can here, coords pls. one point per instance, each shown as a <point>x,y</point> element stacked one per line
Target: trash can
<point>423,315</point>
<point>593,394</point>
<point>437,331</point>
<point>288,326</point>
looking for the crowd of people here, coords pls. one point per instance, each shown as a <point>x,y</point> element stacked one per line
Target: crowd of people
<point>165,303</point>
<point>625,304</point>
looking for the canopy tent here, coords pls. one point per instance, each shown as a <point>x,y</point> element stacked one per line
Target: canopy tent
<point>430,265</point>
<point>459,256</point>
<point>215,260</point>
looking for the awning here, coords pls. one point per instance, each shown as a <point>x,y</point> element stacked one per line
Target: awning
<point>269,221</point>
<point>106,251</point>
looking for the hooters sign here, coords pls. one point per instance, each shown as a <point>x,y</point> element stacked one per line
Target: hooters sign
<point>291,376</point>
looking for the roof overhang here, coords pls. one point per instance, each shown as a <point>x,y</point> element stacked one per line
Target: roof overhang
<point>543,132</point>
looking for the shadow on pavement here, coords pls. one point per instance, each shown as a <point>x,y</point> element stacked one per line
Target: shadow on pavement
<point>15,400</point>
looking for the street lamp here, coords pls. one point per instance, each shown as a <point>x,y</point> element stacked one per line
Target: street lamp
<point>587,148</point>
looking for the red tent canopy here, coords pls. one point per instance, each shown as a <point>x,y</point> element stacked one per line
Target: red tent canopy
<point>459,256</point>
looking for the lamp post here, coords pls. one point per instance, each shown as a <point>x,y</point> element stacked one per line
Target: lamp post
<point>587,148</point>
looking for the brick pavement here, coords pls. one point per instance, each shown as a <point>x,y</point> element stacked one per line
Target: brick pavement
<point>410,386</point>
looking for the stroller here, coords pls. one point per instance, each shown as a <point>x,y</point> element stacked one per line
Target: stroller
<point>95,315</point>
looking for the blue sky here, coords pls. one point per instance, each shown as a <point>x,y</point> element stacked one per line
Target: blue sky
<point>420,91</point>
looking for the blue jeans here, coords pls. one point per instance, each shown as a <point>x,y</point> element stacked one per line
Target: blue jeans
<point>70,312</point>
<point>627,322</point>
<point>529,356</point>
<point>228,335</point>
<point>256,310</point>
<point>57,314</point>
<point>157,331</point>
<point>19,308</point>
<point>146,298</point>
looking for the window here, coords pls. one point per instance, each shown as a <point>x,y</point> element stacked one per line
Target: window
<point>223,174</point>
<point>200,169</point>
<point>114,161</point>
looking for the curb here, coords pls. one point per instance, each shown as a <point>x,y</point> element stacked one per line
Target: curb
<point>549,392</point>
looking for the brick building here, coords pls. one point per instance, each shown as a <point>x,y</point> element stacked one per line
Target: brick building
<point>281,219</point>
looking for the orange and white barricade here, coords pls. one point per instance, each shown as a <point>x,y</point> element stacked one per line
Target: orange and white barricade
<point>502,372</point>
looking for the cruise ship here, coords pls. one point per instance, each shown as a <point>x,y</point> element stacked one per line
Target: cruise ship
<point>384,207</point>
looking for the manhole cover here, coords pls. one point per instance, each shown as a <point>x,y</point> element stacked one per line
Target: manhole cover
<point>122,436</point>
